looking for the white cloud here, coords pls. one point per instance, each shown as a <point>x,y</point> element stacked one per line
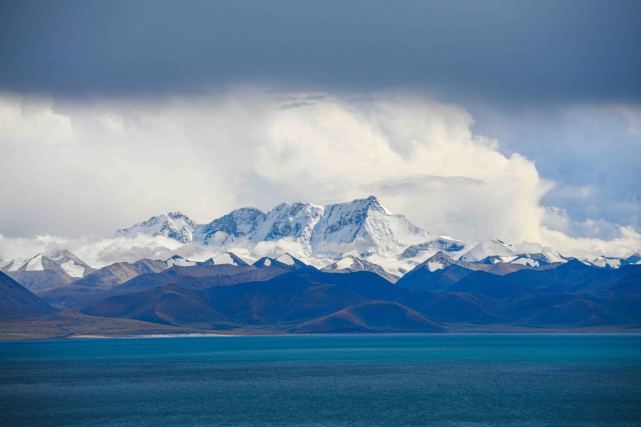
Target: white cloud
<point>85,169</point>
<point>625,243</point>
<point>632,113</point>
<point>590,151</point>
<point>101,252</point>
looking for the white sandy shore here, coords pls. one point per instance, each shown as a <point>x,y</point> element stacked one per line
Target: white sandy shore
<point>191,335</point>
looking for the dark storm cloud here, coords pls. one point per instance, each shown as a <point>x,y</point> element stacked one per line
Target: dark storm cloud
<point>535,50</point>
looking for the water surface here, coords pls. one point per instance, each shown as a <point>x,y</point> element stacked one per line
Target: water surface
<point>439,380</point>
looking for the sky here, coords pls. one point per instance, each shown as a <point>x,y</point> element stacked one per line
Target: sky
<point>514,120</point>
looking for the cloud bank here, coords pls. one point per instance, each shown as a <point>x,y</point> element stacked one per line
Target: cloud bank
<point>592,153</point>
<point>82,170</point>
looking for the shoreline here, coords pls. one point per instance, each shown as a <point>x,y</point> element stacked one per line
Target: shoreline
<point>81,337</point>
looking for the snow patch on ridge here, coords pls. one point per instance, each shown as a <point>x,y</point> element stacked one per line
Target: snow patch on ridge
<point>488,248</point>
<point>73,269</point>
<point>228,258</point>
<point>35,264</point>
<point>179,261</point>
<point>435,265</point>
<point>174,225</point>
<point>286,259</point>
<point>345,263</point>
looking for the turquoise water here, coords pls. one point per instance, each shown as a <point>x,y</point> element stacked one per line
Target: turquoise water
<point>438,380</point>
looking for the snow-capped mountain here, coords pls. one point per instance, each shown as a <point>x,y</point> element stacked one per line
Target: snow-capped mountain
<point>71,264</point>
<point>634,259</point>
<point>320,235</point>
<point>238,223</point>
<point>222,258</point>
<point>438,261</point>
<point>362,225</point>
<point>287,220</point>
<point>293,220</point>
<point>351,264</point>
<point>228,258</point>
<point>174,225</point>
<point>285,261</point>
<point>13,265</point>
<point>427,249</point>
<point>290,261</point>
<point>606,261</point>
<point>177,260</point>
<point>366,226</point>
<point>61,261</point>
<point>441,260</point>
<point>266,261</point>
<point>615,262</point>
<point>47,270</point>
<point>489,248</point>
<point>535,259</point>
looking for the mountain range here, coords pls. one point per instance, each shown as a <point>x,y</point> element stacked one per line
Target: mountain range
<point>355,267</point>
<point>284,294</point>
<point>362,226</point>
<point>322,235</point>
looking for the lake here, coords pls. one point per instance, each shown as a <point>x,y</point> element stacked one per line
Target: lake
<point>434,380</point>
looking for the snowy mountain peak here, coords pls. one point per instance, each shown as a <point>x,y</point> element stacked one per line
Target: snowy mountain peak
<point>607,262</point>
<point>179,261</point>
<point>238,223</point>
<point>366,226</point>
<point>286,259</point>
<point>286,262</point>
<point>61,261</point>
<point>615,262</point>
<point>488,248</point>
<point>13,265</point>
<point>425,249</point>
<point>533,259</point>
<point>177,215</point>
<point>634,259</point>
<point>347,263</point>
<point>70,263</point>
<point>373,203</point>
<point>293,220</point>
<point>438,261</point>
<point>263,262</point>
<point>35,264</point>
<point>363,226</point>
<point>228,258</point>
<point>290,261</point>
<point>362,229</point>
<point>350,264</point>
<point>174,225</point>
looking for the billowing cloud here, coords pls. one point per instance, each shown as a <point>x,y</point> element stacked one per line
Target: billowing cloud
<point>82,170</point>
<point>590,151</point>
